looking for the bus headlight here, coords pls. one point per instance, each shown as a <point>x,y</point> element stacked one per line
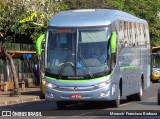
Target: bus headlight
<point>102,84</point>
<point>50,85</point>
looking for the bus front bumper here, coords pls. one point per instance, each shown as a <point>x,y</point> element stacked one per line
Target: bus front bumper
<point>102,94</point>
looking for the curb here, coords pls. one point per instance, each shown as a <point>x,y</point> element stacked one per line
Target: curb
<point>19,100</point>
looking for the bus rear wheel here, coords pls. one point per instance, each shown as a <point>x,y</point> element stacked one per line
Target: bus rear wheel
<point>138,96</point>
<point>60,104</point>
<point>130,98</point>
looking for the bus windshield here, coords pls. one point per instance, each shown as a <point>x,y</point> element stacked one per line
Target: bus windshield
<point>156,57</point>
<point>78,52</point>
<point>156,61</point>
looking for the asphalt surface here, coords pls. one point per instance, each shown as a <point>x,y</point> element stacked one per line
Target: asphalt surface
<point>148,105</point>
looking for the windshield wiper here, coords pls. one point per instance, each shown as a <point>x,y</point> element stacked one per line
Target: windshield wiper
<point>62,68</point>
<point>89,71</point>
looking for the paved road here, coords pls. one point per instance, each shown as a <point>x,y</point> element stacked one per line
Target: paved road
<point>149,103</point>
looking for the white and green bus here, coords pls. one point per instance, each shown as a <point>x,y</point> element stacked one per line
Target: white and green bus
<point>96,55</point>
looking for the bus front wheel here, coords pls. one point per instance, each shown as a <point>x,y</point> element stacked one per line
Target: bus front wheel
<point>116,102</point>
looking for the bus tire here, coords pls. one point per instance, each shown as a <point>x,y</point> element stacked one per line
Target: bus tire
<point>60,105</point>
<point>154,81</point>
<point>158,98</point>
<point>130,98</point>
<point>138,96</point>
<point>116,102</point>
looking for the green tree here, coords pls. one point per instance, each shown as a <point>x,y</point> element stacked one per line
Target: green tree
<point>28,17</point>
<point>8,28</point>
<point>145,9</point>
<point>42,11</point>
<point>85,4</point>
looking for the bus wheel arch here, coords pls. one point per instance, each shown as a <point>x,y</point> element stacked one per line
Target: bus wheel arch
<point>138,96</point>
<point>116,102</point>
<point>120,86</point>
<point>142,81</point>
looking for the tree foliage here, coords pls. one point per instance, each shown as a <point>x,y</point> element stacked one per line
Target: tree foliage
<point>145,9</point>
<point>85,4</point>
<point>40,11</point>
<point>28,17</point>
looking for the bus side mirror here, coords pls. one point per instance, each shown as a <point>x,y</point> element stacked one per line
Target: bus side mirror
<point>113,43</point>
<point>39,44</point>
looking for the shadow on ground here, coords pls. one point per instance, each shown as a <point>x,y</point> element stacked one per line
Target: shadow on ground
<point>34,93</point>
<point>149,103</point>
<point>92,105</point>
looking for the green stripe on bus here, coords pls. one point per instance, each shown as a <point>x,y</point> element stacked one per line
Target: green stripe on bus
<point>127,67</point>
<point>86,80</point>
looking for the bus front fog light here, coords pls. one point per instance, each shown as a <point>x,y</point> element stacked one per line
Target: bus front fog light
<point>49,94</point>
<point>105,93</point>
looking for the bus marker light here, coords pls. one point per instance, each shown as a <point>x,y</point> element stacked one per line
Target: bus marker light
<point>49,94</point>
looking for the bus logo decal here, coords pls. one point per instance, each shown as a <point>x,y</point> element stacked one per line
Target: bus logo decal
<point>75,88</point>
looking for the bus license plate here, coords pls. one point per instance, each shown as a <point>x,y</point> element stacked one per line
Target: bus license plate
<point>76,96</point>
